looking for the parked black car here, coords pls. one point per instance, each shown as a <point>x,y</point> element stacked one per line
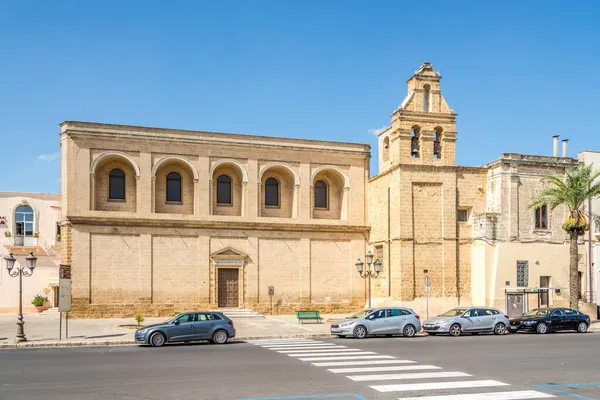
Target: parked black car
<point>543,320</point>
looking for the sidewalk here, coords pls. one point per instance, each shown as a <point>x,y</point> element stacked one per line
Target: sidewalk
<point>42,330</point>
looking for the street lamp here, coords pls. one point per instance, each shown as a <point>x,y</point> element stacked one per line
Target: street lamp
<point>20,271</point>
<point>369,273</point>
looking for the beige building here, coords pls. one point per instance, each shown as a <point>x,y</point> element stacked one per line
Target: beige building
<point>592,238</point>
<point>29,222</point>
<point>159,220</point>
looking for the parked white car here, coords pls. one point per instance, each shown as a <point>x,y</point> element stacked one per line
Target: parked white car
<point>386,321</point>
<point>470,320</point>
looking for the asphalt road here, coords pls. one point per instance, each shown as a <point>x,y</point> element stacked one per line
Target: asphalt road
<point>400,368</point>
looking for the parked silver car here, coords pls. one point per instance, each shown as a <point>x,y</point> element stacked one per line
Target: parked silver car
<point>382,321</point>
<point>472,320</point>
<point>186,327</point>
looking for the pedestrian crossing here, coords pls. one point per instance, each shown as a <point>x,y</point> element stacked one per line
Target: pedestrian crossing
<point>387,374</point>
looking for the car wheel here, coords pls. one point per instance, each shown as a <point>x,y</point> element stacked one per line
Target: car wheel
<point>542,328</point>
<point>500,329</point>
<point>157,339</point>
<point>455,330</point>
<point>341,336</point>
<point>360,332</point>
<point>220,337</point>
<point>582,327</point>
<point>409,331</point>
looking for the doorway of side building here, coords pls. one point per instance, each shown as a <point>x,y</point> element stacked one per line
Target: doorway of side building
<point>544,293</point>
<point>228,284</point>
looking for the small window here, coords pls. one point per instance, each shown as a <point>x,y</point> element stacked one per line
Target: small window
<point>271,192</point>
<point>541,217</point>
<point>386,148</point>
<point>58,231</point>
<point>463,215</point>
<point>186,318</point>
<point>396,312</point>
<point>320,194</point>
<point>484,312</point>
<point>173,187</point>
<point>405,312</point>
<point>379,254</point>
<point>522,273</point>
<point>471,313</point>
<point>437,144</point>
<point>557,313</point>
<point>223,190</point>
<point>116,185</point>
<point>415,143</point>
<point>495,312</point>
<point>568,311</point>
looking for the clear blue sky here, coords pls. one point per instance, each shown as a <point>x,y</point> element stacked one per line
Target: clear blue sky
<point>515,72</point>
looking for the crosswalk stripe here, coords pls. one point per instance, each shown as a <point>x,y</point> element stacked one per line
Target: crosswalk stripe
<point>516,395</point>
<point>361,362</point>
<point>312,343</point>
<point>299,345</point>
<point>417,375</point>
<point>281,340</point>
<point>351,353</point>
<point>383,369</point>
<point>303,348</point>
<point>288,342</point>
<point>317,349</point>
<point>408,387</point>
<point>343,358</point>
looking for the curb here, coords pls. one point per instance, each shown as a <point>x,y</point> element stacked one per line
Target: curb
<point>96,343</point>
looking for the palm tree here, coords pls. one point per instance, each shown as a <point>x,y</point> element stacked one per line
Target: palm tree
<point>578,185</point>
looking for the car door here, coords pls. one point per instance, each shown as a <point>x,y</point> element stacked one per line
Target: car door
<point>182,328</point>
<point>396,321</point>
<point>485,319</point>
<point>571,319</point>
<point>203,326</point>
<point>557,320</point>
<point>469,320</point>
<point>377,322</point>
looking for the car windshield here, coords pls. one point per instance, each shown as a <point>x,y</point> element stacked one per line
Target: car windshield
<point>538,312</point>
<point>455,312</point>
<point>360,314</point>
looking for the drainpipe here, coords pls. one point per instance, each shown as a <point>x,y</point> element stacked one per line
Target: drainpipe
<point>555,150</point>
<point>564,153</point>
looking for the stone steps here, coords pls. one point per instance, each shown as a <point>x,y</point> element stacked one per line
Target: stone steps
<point>237,313</point>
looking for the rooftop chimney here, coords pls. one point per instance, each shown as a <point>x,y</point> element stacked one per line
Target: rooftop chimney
<point>565,141</point>
<point>555,153</point>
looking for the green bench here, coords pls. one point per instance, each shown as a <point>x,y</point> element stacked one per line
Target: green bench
<point>308,315</point>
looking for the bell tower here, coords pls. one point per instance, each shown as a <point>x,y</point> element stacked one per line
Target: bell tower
<point>423,128</point>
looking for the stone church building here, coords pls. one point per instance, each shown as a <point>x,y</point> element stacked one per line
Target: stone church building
<point>162,220</point>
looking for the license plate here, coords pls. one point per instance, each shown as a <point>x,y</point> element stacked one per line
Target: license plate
<point>428,326</point>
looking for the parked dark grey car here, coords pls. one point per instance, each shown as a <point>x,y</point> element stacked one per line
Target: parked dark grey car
<point>212,326</point>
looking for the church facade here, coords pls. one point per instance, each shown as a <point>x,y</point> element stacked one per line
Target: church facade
<point>162,220</point>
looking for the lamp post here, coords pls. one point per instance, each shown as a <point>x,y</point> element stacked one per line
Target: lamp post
<point>369,273</point>
<point>20,272</point>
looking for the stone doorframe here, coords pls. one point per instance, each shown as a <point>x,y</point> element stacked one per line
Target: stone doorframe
<point>228,257</point>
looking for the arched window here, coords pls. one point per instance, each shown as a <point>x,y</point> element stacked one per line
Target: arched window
<point>321,194</point>
<point>23,223</point>
<point>224,190</point>
<point>173,187</point>
<point>271,192</point>
<point>415,142</point>
<point>426,97</point>
<point>437,143</point>
<point>116,184</point>
<point>541,217</point>
<point>386,148</point>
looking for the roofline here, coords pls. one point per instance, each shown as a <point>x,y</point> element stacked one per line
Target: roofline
<point>30,194</point>
<point>362,147</point>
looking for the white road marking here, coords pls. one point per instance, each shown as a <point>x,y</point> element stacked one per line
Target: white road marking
<point>347,353</point>
<point>417,375</point>
<point>281,340</point>
<point>326,350</point>
<point>289,346</point>
<point>383,369</point>
<point>408,387</point>
<point>344,358</point>
<point>361,362</point>
<point>518,395</point>
<point>301,349</point>
<point>288,343</point>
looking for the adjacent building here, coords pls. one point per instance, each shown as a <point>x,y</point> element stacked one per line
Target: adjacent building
<point>592,238</point>
<point>29,222</point>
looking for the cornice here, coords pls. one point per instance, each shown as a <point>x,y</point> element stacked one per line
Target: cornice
<point>231,225</point>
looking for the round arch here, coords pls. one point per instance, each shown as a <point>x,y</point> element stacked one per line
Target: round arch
<point>119,154</point>
<point>283,165</point>
<point>332,168</point>
<point>175,158</point>
<point>229,161</point>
